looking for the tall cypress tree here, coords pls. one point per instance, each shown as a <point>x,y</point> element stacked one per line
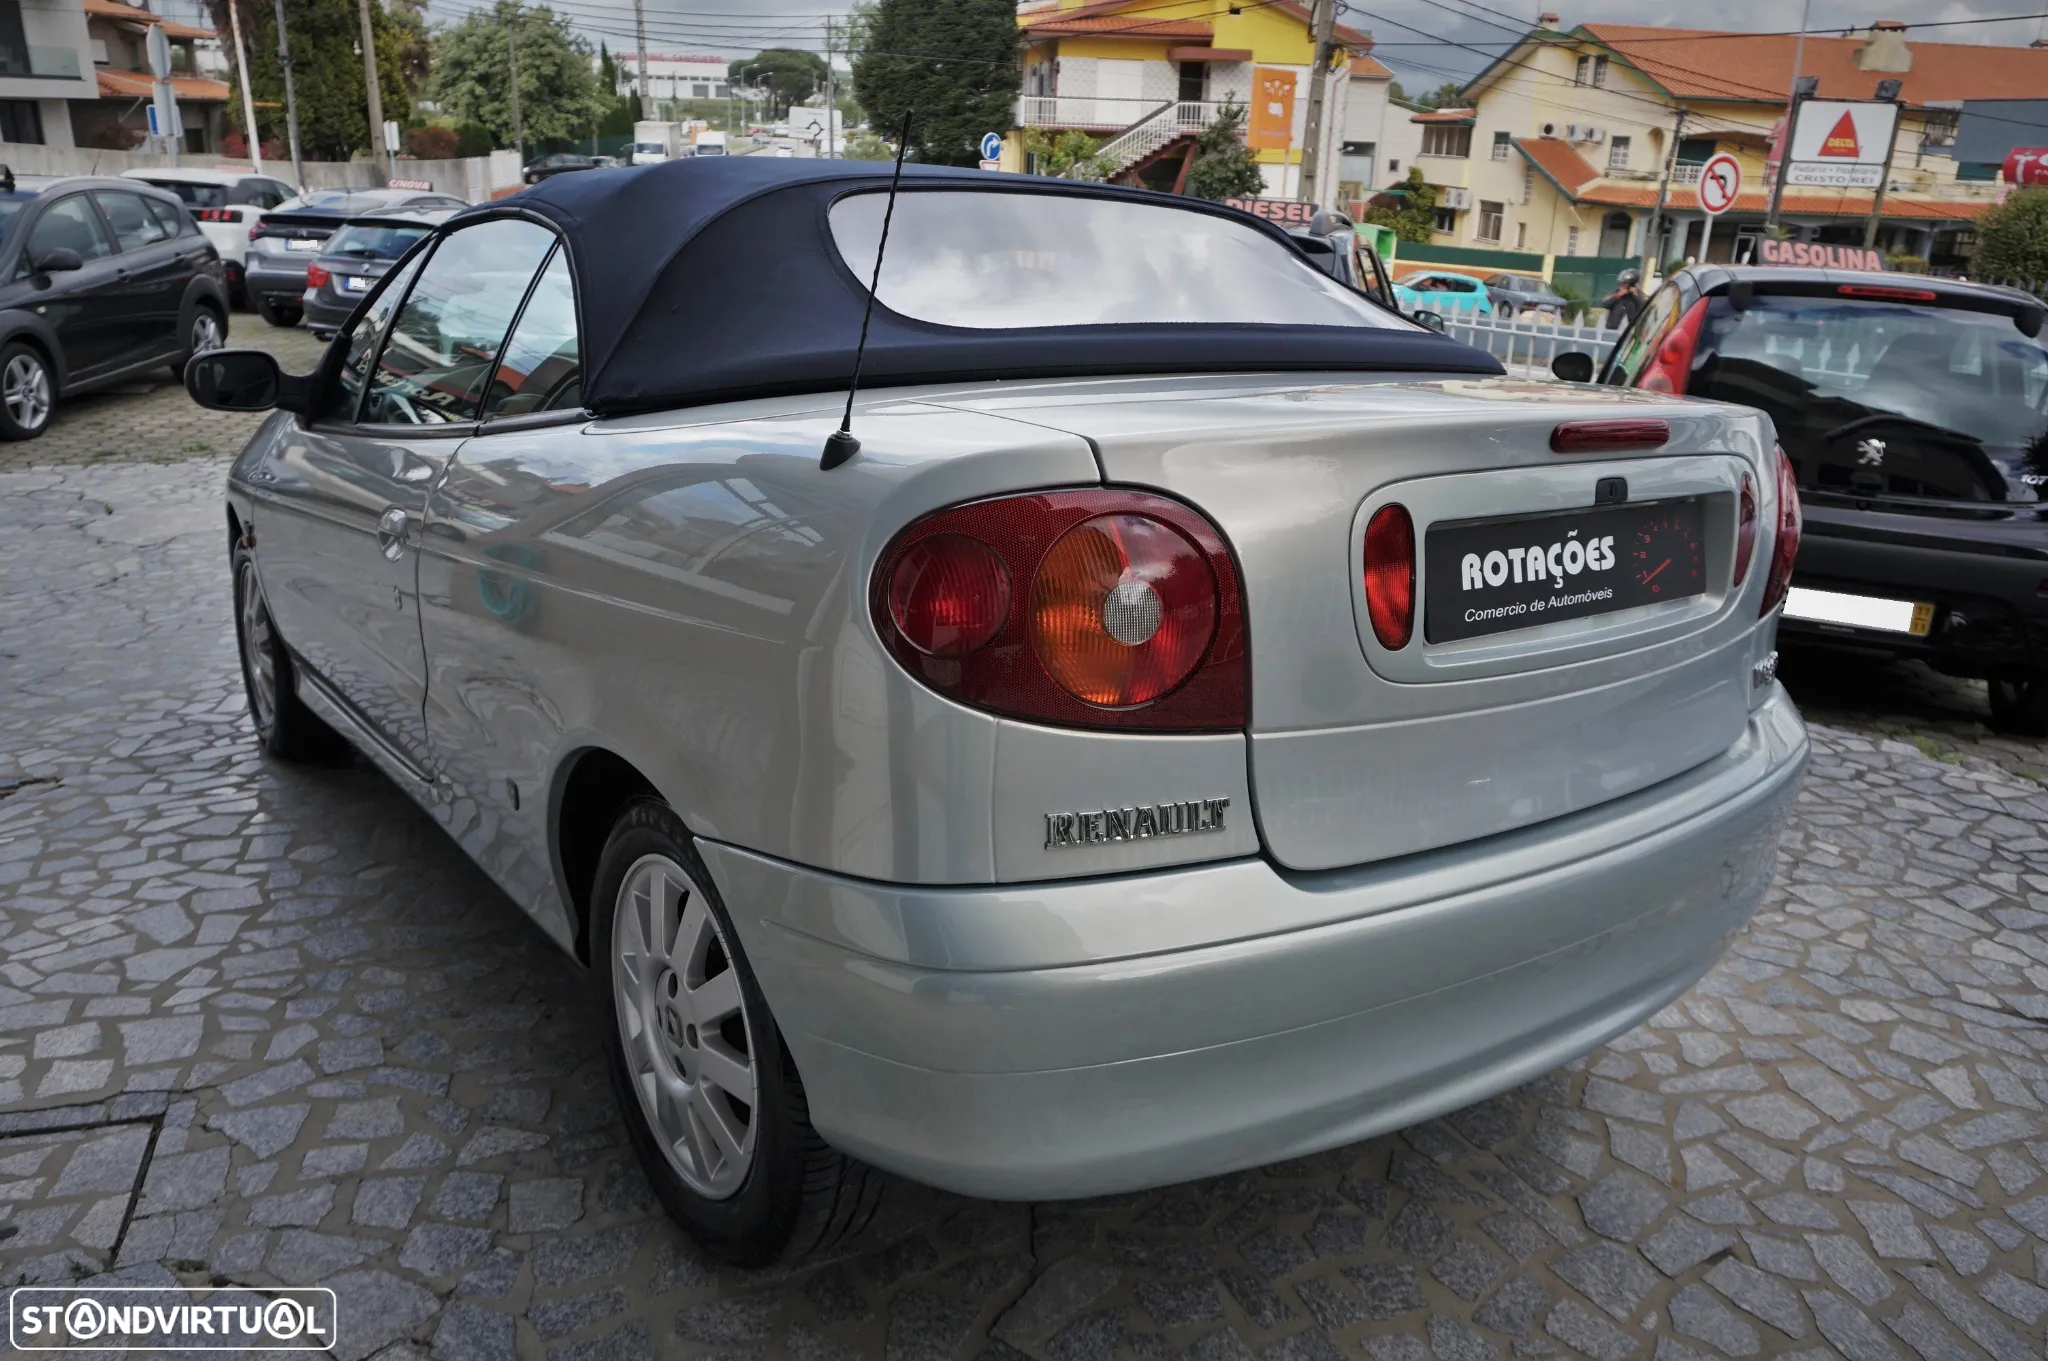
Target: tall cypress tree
<point>951,64</point>
<point>327,71</point>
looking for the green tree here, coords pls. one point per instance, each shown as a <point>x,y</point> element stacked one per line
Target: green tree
<point>2012,241</point>
<point>1224,166</point>
<point>951,64</point>
<point>327,72</point>
<point>1445,96</point>
<point>865,146</point>
<point>787,73</point>
<point>1415,218</point>
<point>558,89</point>
<point>621,111</point>
<point>1068,155</point>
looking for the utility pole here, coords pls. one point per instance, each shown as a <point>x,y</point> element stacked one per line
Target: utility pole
<point>1323,22</point>
<point>376,95</point>
<point>831,95</point>
<point>1651,265</point>
<point>248,100</point>
<point>512,48</point>
<point>291,100</point>
<point>1886,89</point>
<point>1791,117</point>
<point>640,39</point>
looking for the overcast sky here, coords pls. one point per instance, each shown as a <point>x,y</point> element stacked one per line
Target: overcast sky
<point>1441,50</point>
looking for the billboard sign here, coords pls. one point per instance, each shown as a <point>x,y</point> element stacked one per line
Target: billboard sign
<point>2025,165</point>
<point>1285,211</point>
<point>1272,113</point>
<point>1841,143</point>
<point>1814,255</point>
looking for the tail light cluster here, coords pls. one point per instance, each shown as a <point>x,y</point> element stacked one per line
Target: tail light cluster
<point>220,214</point>
<point>1390,576</point>
<point>1790,523</point>
<point>1090,608</point>
<point>1670,368</point>
<point>316,277</point>
<point>1745,529</point>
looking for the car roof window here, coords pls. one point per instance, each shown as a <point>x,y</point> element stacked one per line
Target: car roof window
<point>444,342</point>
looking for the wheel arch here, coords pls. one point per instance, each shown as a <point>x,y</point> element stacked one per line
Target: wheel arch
<point>32,330</point>
<point>592,786</point>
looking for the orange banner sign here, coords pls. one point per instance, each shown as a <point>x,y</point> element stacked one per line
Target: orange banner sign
<point>1272,112</point>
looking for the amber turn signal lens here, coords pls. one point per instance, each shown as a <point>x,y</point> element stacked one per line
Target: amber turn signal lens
<point>949,595</point>
<point>1390,576</point>
<point>1122,609</point>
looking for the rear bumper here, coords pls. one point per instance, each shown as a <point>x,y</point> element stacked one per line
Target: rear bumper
<point>1021,1041</point>
<point>280,281</point>
<point>1984,580</point>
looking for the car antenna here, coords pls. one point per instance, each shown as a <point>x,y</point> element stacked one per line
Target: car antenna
<point>840,445</point>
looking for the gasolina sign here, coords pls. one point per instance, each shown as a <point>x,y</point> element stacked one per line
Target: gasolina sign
<point>1841,143</point>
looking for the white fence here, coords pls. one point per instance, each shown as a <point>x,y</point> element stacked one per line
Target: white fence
<point>472,179</point>
<point>1524,343</point>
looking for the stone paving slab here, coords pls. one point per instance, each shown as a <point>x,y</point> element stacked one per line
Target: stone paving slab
<point>351,1062</point>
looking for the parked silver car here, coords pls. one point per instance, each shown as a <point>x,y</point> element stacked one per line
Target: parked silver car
<point>1210,719</point>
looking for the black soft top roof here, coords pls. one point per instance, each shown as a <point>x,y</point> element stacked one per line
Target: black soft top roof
<point>718,278</point>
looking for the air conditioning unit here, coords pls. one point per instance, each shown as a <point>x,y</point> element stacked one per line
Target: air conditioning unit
<point>1454,198</point>
<point>1548,130</point>
<point>1584,132</point>
<point>1594,133</point>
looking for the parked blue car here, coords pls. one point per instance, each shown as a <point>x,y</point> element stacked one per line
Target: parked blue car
<point>1443,292</point>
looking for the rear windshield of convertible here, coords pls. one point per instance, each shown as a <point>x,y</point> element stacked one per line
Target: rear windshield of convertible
<point>996,261</point>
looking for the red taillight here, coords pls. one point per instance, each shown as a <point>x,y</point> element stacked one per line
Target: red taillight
<point>1390,576</point>
<point>220,214</point>
<point>1586,437</point>
<point>1745,530</point>
<point>1671,367</point>
<point>1086,608</point>
<point>1893,294</point>
<point>316,277</point>
<point>1787,546</point>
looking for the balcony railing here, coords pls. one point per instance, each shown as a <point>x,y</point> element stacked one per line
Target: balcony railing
<point>51,63</point>
<point>1108,113</point>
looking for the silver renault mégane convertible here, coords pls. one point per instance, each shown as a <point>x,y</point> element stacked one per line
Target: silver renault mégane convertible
<point>1209,719</point>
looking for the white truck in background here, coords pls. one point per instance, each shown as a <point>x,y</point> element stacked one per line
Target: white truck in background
<point>655,141</point>
<point>710,144</point>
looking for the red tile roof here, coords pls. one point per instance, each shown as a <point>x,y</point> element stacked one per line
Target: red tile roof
<point>1445,116</point>
<point>1117,26</point>
<point>1566,168</point>
<point>1082,20</point>
<point>1701,63</point>
<point>133,84</point>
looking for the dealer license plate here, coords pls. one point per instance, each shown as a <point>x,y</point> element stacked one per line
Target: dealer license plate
<point>353,283</point>
<point>1915,617</point>
<point>1491,576</point>
<point>302,243</point>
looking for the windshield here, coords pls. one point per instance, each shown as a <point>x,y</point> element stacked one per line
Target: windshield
<point>9,206</point>
<point>652,147</point>
<point>995,260</point>
<point>195,195</point>
<point>375,242</point>
<point>1883,398</point>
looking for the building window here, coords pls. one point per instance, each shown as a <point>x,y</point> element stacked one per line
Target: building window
<point>1489,220</point>
<point>21,121</point>
<point>1194,82</point>
<point>1696,150</point>
<point>1972,171</point>
<point>1393,164</point>
<point>700,92</point>
<point>1500,145</point>
<point>1600,72</point>
<point>1446,220</point>
<point>1939,128</point>
<point>1617,154</point>
<point>1528,181</point>
<point>1447,139</point>
<point>1584,71</point>
<point>1521,236</point>
<point>1571,240</point>
<point>718,92</point>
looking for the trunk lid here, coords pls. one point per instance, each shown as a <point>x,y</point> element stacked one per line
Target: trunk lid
<point>1479,725</point>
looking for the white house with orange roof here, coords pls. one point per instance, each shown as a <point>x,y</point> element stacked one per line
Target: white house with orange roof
<point>119,118</point>
<point>1145,76</point>
<point>1568,135</point>
<point>45,67</point>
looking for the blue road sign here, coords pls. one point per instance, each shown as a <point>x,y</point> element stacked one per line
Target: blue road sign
<point>991,146</point>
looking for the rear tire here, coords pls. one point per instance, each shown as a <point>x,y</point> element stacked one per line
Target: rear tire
<point>277,313</point>
<point>28,392</point>
<point>1505,311</point>
<point>2020,707</point>
<point>207,330</point>
<point>286,728</point>
<point>765,1187</point>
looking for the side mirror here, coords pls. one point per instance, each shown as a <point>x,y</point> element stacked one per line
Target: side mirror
<point>234,380</point>
<point>1433,320</point>
<point>59,261</point>
<point>1573,366</point>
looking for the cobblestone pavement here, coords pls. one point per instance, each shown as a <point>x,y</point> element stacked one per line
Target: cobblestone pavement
<point>265,1024</point>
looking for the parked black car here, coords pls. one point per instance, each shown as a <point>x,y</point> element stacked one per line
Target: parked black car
<point>285,241</point>
<point>561,163</point>
<point>1334,246</point>
<point>1913,413</point>
<point>103,279</point>
<point>355,257</point>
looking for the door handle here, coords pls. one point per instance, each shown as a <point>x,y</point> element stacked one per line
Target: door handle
<point>391,527</point>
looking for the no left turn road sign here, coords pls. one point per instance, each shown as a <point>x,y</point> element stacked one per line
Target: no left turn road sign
<point>1720,182</point>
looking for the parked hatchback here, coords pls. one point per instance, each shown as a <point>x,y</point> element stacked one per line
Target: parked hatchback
<point>1442,292</point>
<point>286,240</point>
<point>1913,413</point>
<point>226,204</point>
<point>101,280</point>
<point>354,258</point>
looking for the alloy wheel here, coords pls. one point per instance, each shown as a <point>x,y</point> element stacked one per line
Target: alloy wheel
<point>25,388</point>
<point>683,1023</point>
<point>205,332</point>
<point>258,649</point>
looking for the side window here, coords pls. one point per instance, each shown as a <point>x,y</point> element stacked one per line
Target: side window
<point>444,343</point>
<point>1657,318</point>
<point>134,225</point>
<point>360,343</point>
<point>168,217</point>
<point>541,369</point>
<point>68,224</point>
